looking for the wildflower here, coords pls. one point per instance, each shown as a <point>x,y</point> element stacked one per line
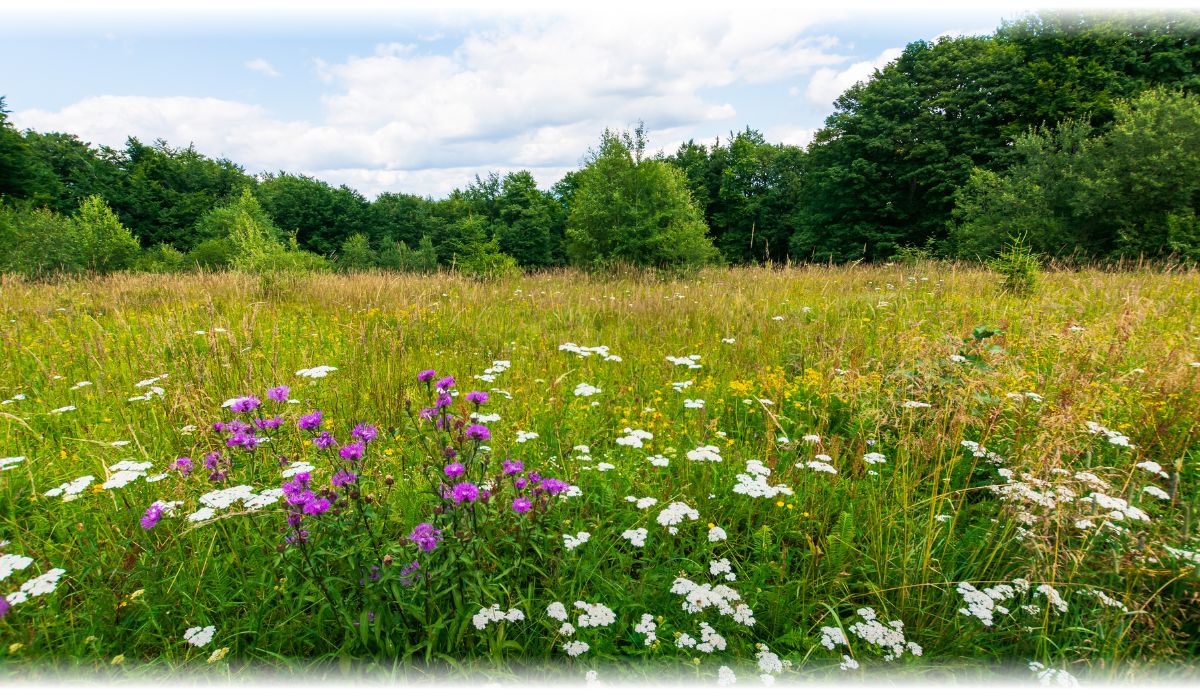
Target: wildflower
<point>245,404</point>
<point>717,534</point>
<point>425,537</point>
<point>486,616</point>
<point>152,517</point>
<point>316,506</point>
<point>426,376</point>
<point>595,614</point>
<point>705,453</point>
<point>268,423</point>
<point>318,372</point>
<point>637,537</point>
<point>1156,492</point>
<point>4,607</point>
<point>12,562</point>
<point>848,663</point>
<point>63,409</point>
<point>726,676</point>
<point>659,461</point>
<point>513,467</point>
<point>324,441</point>
<point>571,542</point>
<point>648,628</point>
<point>199,636</point>
<point>557,611</point>
<point>575,648</point>
<point>365,433</point>
<point>445,383</point>
<point>1152,467</point>
<point>730,341</point>
<point>353,452</point>
<point>7,463</point>
<point>915,404</point>
<point>478,433</point>
<point>465,491</point>
<point>477,397</point>
<point>521,505</point>
<point>454,470</point>
<point>218,655</point>
<point>1053,676</point>
<point>278,394</point>
<point>874,458</point>
<point>310,421</point>
<point>674,514</point>
<point>585,390</point>
<point>693,403</point>
<point>523,436</point>
<point>344,477</point>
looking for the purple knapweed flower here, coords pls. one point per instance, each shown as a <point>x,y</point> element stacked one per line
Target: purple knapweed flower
<point>407,574</point>
<point>324,441</point>
<point>316,506</point>
<point>554,486</point>
<point>520,482</point>
<point>311,421</point>
<point>279,393</point>
<point>477,397</point>
<point>455,470</point>
<point>521,505</point>
<point>365,432</point>
<point>343,478</point>
<point>426,375</point>
<point>513,466</point>
<point>268,423</point>
<point>427,413</point>
<point>425,537</point>
<point>466,491</point>
<point>297,537</point>
<point>183,465</point>
<point>152,516</point>
<point>245,404</point>
<point>353,452</point>
<point>4,606</point>
<point>443,399</point>
<point>445,382</point>
<point>478,432</point>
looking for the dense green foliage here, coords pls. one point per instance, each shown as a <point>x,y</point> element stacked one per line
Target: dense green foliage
<point>1076,131</point>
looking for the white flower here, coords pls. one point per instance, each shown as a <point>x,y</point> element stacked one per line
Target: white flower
<point>70,488</point>
<point>566,629</point>
<point>202,515</point>
<point>7,463</point>
<point>768,661</point>
<point>721,566</point>
<point>485,417</point>
<point>41,585</point>
<point>848,663</point>
<point>1053,676</point>
<point>717,534</point>
<point>80,385</point>
<point>726,676</point>
<point>874,458</point>
<point>647,627</point>
<point>12,562</point>
<point>572,542</point>
<point>585,390</point>
<point>63,409</point>
<point>689,361</point>
<point>575,647</point>
<point>659,461</point>
<point>601,350</point>
<point>595,614</point>
<point>557,611</point>
<point>693,403</point>
<point>674,514</point>
<point>957,358</point>
<point>1156,492</point>
<point>199,636</point>
<point>523,436</point>
<point>777,318</point>
<point>753,482</point>
<point>705,453</point>
<point>591,677</point>
<point>318,372</point>
<point>486,616</point>
<point>605,466</point>
<point>297,468</point>
<point>1152,467</point>
<point>729,341</point>
<point>680,386</point>
<point>637,537</point>
<point>915,404</point>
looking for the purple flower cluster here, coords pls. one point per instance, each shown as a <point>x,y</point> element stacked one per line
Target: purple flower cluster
<point>278,394</point>
<point>309,421</point>
<point>152,516</point>
<point>302,499</point>
<point>245,404</point>
<point>425,537</point>
<point>365,433</point>
<point>183,465</point>
<point>353,452</point>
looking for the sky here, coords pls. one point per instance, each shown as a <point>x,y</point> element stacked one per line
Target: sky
<point>420,98</point>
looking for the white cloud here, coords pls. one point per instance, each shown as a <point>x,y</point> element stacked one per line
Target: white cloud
<point>518,93</point>
<point>790,134</point>
<point>827,84</point>
<point>262,65</point>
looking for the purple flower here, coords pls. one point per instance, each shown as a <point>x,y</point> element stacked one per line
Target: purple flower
<point>426,375</point>
<point>477,397</point>
<point>407,574</point>
<point>353,452</point>
<point>466,491</point>
<point>4,606</point>
<point>279,393</point>
<point>365,432</point>
<point>152,516</point>
<point>311,421</point>
<point>297,537</point>
<point>455,470</point>
<point>478,432</point>
<point>183,465</point>
<point>212,460</point>
<point>515,466</point>
<point>443,399</point>
<point>520,482</point>
<point>554,486</point>
<point>246,441</point>
<point>268,423</point>
<point>245,404</point>
<point>316,506</point>
<point>425,537</point>
<point>427,413</point>
<point>324,441</point>
<point>445,382</point>
<point>521,505</point>
<point>344,477</point>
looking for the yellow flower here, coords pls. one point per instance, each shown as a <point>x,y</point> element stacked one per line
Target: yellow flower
<point>118,660</point>
<point>778,504</point>
<point>711,526</point>
<point>137,594</point>
<point>218,655</point>
<point>14,647</point>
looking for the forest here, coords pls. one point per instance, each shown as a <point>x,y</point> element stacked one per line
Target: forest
<point>1077,134</point>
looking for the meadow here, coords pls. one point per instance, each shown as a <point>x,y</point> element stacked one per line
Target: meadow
<point>741,476</point>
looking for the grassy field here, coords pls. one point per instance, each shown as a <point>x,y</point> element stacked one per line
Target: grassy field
<point>834,452</point>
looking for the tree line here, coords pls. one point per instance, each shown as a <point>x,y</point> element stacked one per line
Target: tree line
<point>1078,133</point>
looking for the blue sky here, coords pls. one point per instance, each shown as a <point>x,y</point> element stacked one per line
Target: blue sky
<point>418,100</point>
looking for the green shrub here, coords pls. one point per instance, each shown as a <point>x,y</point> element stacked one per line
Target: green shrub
<point>212,254</point>
<point>356,254</point>
<point>105,245</point>
<point>161,258</point>
<point>485,261</point>
<point>1019,265</point>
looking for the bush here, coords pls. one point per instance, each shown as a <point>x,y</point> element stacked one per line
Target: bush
<point>161,258</point>
<point>485,261</point>
<point>356,254</point>
<point>104,243</point>
<point>1019,265</point>
<point>39,243</point>
<point>213,254</point>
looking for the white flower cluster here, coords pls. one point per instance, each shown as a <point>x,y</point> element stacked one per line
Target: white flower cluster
<point>575,647</point>
<point>297,468</point>
<point>7,463</point>
<point>485,417</point>
<point>1103,597</point>
<point>984,604</point>
<point>709,642</point>
<point>753,482</point>
<point>498,367</point>
<point>151,393</point>
<point>1156,492</point>
<point>705,453</point>
<point>318,372</point>
<point>717,567</point>
<point>680,386</point>
<point>12,562</point>
<point>978,450</point>
<point>1118,508</point>
<point>557,611</point>
<point>124,473</point>
<point>571,542</point>
<point>221,499</point>
<point>486,616</point>
<point>63,409</point>
<point>523,436</point>
<point>199,636</point>
<point>717,533</point>
<point>642,503</point>
<point>729,341</point>
<point>648,628</point>
<point>698,596</point>
<point>1052,597</point>
<point>831,637</point>
<point>70,490</point>
<point>819,463</point>
<point>634,437</point>
<point>1152,467</point>
<point>693,403</point>
<point>594,614</point>
<point>769,664</point>
<point>658,461</point>
<point>674,514</point>
<point>915,404</point>
<point>601,350</point>
<point>889,637</point>
<point>874,458</point>
<point>689,361</point>
<point>585,390</point>
<point>14,399</point>
<point>848,663</point>
<point>637,537</point>
<point>1053,676</point>
<point>1194,557</point>
<point>1113,436</point>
